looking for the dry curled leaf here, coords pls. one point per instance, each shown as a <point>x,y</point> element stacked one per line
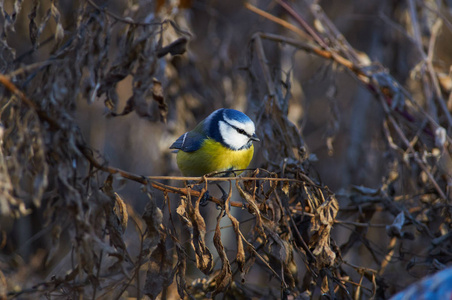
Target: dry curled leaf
<point>153,217</point>
<point>159,274</point>
<point>119,207</point>
<point>392,137</point>
<point>157,94</point>
<point>117,217</point>
<point>240,255</point>
<point>181,268</point>
<point>224,278</point>
<point>253,209</point>
<point>322,223</point>
<point>196,225</point>
<point>395,229</point>
<point>7,200</point>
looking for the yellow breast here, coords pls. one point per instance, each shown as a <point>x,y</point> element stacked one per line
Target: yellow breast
<point>211,157</point>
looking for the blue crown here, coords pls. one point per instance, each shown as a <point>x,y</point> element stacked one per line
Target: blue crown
<point>236,115</point>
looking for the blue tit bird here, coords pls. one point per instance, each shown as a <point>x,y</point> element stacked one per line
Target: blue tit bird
<point>221,142</point>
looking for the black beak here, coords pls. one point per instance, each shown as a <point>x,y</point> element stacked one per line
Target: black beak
<point>254,138</point>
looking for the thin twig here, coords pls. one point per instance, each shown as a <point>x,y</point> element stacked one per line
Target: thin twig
<point>31,67</point>
<point>240,178</point>
<point>405,140</point>
<point>277,20</point>
<point>363,76</point>
<point>428,62</point>
<point>130,21</point>
<point>303,24</point>
<point>121,19</point>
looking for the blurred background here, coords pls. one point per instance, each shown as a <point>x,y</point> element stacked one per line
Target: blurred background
<point>97,69</point>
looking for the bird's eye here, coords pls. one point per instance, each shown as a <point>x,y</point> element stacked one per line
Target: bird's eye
<point>241,131</point>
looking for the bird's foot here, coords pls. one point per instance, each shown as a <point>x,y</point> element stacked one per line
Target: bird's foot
<point>205,199</point>
<point>224,195</point>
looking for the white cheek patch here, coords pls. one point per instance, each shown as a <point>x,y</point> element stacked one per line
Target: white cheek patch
<point>231,137</point>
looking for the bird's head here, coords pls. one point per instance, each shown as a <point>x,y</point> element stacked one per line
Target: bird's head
<point>232,128</point>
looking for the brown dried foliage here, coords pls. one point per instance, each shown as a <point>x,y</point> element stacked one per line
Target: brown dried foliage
<point>67,230</point>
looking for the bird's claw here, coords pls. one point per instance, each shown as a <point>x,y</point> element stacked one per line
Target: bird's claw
<point>224,195</point>
<point>204,199</point>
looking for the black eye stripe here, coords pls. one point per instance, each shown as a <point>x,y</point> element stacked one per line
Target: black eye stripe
<point>239,130</point>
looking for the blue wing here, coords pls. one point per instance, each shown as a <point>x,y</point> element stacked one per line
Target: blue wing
<point>189,141</point>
